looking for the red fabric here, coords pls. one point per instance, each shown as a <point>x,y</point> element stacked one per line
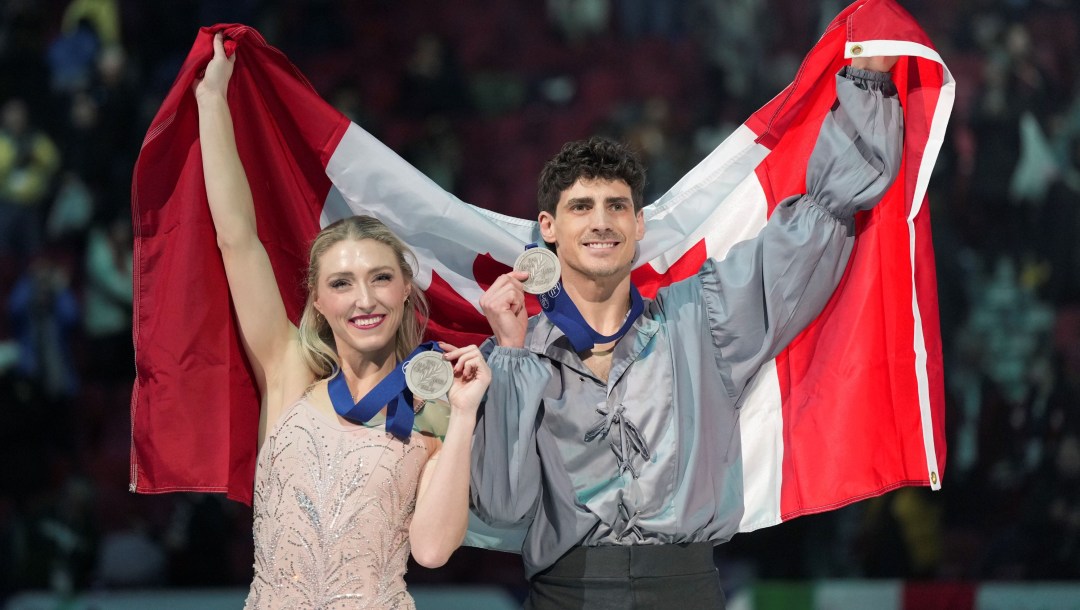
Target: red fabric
<point>848,382</point>
<point>194,408</point>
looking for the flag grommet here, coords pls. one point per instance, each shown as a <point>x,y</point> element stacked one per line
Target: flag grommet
<point>856,49</point>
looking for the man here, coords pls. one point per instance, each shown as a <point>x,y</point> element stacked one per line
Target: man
<point>610,427</point>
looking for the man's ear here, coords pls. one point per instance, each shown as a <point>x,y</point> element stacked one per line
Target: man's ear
<point>547,226</point>
<point>640,233</point>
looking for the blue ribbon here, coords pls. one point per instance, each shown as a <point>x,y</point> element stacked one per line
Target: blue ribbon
<point>392,392</point>
<point>563,313</point>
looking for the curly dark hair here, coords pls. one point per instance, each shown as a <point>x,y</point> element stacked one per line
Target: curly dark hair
<point>595,157</point>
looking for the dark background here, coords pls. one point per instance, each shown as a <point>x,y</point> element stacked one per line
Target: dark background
<point>477,95</point>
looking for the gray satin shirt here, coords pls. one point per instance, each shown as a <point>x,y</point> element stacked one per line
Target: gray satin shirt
<point>653,455</point>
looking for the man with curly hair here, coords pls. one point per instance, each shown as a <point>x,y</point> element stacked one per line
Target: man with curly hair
<point>611,425</point>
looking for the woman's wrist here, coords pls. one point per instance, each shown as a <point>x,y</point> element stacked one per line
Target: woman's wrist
<point>461,418</point>
<point>205,97</point>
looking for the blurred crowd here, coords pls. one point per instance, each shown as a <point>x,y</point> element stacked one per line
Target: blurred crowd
<point>477,95</point>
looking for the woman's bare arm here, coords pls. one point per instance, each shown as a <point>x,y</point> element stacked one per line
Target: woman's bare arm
<point>264,326</point>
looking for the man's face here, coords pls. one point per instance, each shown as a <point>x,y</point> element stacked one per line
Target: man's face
<point>595,229</point>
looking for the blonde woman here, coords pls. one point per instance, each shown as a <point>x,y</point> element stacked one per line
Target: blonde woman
<point>339,501</point>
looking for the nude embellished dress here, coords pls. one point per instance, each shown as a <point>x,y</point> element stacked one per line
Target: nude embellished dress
<point>333,503</point>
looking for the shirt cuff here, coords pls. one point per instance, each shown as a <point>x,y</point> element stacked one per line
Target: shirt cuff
<point>871,80</point>
<point>513,353</point>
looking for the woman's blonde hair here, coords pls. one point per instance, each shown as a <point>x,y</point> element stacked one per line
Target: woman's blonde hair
<point>316,337</point>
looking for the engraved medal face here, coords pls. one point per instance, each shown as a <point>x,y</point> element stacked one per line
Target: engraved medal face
<point>428,375</point>
<point>543,267</point>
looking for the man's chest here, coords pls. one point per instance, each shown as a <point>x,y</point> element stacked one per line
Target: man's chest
<point>592,398</point>
<point>599,364</point>
<point>605,436</point>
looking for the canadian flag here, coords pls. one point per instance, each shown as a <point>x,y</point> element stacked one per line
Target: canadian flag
<point>851,409</point>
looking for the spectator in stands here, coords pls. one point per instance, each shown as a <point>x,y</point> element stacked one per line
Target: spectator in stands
<point>28,163</point>
<point>43,308</point>
<point>433,83</point>
<point>107,296</point>
<point>579,20</point>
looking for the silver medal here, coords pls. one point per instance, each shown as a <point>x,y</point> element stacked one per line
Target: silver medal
<point>428,375</point>
<point>543,267</point>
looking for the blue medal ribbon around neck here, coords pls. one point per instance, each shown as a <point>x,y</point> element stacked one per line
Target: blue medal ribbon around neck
<point>392,392</point>
<point>563,313</point>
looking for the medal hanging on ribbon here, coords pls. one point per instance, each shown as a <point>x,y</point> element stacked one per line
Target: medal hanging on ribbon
<point>395,391</point>
<point>563,313</point>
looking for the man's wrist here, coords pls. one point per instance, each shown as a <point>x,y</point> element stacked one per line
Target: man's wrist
<point>512,342</point>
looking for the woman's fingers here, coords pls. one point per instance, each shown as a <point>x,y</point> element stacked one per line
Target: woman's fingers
<point>467,360</point>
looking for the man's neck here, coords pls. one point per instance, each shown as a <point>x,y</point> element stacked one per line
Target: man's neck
<point>603,302</point>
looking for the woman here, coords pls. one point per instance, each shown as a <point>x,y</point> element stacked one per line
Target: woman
<point>338,503</point>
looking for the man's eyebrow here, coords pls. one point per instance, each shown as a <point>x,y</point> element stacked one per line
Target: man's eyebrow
<point>574,200</point>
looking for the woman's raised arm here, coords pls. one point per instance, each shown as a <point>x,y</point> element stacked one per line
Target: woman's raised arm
<point>264,326</point>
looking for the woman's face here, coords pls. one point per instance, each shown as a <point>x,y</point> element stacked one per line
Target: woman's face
<point>361,292</point>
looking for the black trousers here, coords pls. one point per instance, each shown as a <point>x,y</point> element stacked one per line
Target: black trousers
<point>642,577</point>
